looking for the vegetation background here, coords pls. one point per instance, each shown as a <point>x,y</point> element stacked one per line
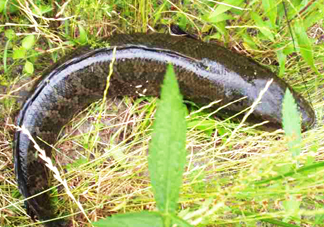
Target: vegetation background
<point>106,160</point>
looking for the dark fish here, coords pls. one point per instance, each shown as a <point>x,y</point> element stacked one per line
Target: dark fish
<point>206,72</point>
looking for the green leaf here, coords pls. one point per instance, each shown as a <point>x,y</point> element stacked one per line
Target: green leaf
<point>312,18</point>
<point>167,152</point>
<point>19,53</point>
<point>5,54</point>
<point>28,42</point>
<point>291,123</point>
<point>304,44</point>
<point>302,170</point>
<point>319,219</point>
<point>13,6</point>
<point>2,5</point>
<point>218,18</point>
<point>29,67</point>
<point>10,34</point>
<point>207,126</point>
<point>248,43</point>
<point>282,62</point>
<point>283,168</point>
<point>183,21</point>
<point>83,38</point>
<point>76,164</point>
<point>179,221</point>
<point>141,219</point>
<point>292,206</point>
<point>270,8</point>
<point>262,26</point>
<point>222,8</point>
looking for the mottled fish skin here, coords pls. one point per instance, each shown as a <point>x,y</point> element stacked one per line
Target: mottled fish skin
<point>206,72</point>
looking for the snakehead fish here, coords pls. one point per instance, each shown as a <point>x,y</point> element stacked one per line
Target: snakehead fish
<point>205,71</point>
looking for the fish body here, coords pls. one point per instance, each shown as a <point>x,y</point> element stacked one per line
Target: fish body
<point>206,72</point>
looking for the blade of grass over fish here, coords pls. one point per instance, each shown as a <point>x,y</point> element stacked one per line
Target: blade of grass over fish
<point>141,219</point>
<point>304,44</point>
<point>167,149</point>
<point>291,123</point>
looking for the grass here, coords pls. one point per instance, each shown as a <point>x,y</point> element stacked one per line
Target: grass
<point>107,159</point>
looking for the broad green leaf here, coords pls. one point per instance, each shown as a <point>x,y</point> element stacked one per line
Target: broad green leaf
<point>224,6</point>
<point>319,219</point>
<point>291,123</point>
<point>2,5</point>
<point>83,38</point>
<point>262,26</point>
<point>10,34</point>
<point>19,53</point>
<point>42,9</point>
<point>218,18</point>
<point>183,21</point>
<point>304,44</point>
<point>270,8</point>
<point>13,6</point>
<point>312,18</point>
<point>141,219</point>
<point>167,153</point>
<point>28,42</point>
<point>29,67</point>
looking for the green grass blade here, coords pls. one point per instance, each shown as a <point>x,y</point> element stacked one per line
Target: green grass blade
<point>267,220</point>
<point>262,26</point>
<point>179,221</point>
<point>141,219</point>
<point>291,123</point>
<point>5,55</point>
<point>167,149</point>
<point>270,8</point>
<point>281,56</point>
<point>223,7</point>
<point>305,45</point>
<point>278,223</point>
<point>309,168</point>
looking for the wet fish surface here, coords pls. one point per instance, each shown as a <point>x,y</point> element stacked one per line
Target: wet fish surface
<point>206,72</point>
